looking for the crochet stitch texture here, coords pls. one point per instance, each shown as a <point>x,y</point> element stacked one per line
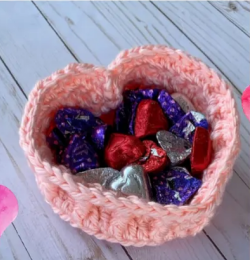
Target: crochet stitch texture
<point>131,221</point>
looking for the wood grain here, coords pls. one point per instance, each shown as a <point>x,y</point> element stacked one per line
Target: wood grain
<point>11,247</point>
<point>215,35</point>
<point>238,12</point>
<point>230,228</point>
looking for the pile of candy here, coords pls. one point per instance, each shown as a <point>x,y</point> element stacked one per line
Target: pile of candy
<point>154,145</point>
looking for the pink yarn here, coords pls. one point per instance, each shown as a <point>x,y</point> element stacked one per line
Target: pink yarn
<point>131,221</point>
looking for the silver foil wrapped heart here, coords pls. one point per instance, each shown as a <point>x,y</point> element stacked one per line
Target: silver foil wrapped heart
<point>177,149</point>
<point>183,101</point>
<point>131,180</point>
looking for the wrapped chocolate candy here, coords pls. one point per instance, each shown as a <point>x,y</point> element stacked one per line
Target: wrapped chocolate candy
<point>185,104</point>
<point>201,151</point>
<point>174,186</point>
<point>102,176</point>
<point>149,119</point>
<point>131,180</point>
<point>123,150</point>
<point>126,112</point>
<point>140,94</point>
<point>135,97</point>
<point>122,117</point>
<point>170,107</point>
<point>185,127</point>
<point>57,142</point>
<point>56,139</point>
<point>100,135</point>
<point>76,121</point>
<point>155,159</point>
<point>197,119</point>
<point>80,155</point>
<point>177,149</point>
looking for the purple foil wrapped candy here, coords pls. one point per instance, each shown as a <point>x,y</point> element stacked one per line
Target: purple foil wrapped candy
<point>57,142</point>
<point>121,118</point>
<point>170,107</point>
<point>76,121</point>
<point>80,155</point>
<point>175,186</point>
<point>140,94</point>
<point>185,127</point>
<point>197,119</point>
<point>99,136</point>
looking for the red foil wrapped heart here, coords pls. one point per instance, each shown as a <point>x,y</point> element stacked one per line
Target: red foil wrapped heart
<point>123,150</point>
<point>155,159</point>
<point>201,150</point>
<point>149,119</point>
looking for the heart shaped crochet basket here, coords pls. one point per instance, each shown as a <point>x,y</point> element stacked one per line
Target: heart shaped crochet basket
<point>131,221</point>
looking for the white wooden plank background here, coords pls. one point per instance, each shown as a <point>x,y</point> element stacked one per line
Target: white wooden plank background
<point>37,39</point>
<point>237,12</point>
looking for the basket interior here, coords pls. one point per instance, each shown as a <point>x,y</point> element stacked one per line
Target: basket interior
<point>93,91</point>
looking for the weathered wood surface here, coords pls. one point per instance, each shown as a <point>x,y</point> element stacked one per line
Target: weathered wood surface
<point>238,12</point>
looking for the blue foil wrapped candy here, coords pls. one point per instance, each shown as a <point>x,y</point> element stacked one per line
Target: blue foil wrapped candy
<point>76,120</point>
<point>170,107</point>
<point>80,155</point>
<point>185,127</point>
<point>174,186</point>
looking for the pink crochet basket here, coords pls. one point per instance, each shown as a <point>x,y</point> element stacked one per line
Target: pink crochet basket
<point>131,221</point>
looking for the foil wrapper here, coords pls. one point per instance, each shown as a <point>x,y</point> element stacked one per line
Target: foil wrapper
<point>56,139</point>
<point>131,180</point>
<point>149,119</point>
<point>76,121</point>
<point>197,119</point>
<point>201,151</point>
<point>126,112</point>
<point>170,107</point>
<point>102,176</point>
<point>57,143</point>
<point>185,104</point>
<point>123,150</point>
<point>80,155</point>
<point>155,159</point>
<point>100,135</point>
<point>185,127</point>
<point>122,117</point>
<point>140,94</point>
<point>177,149</point>
<point>174,186</point>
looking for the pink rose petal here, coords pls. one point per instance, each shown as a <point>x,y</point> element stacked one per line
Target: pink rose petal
<point>8,208</point>
<point>245,100</point>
